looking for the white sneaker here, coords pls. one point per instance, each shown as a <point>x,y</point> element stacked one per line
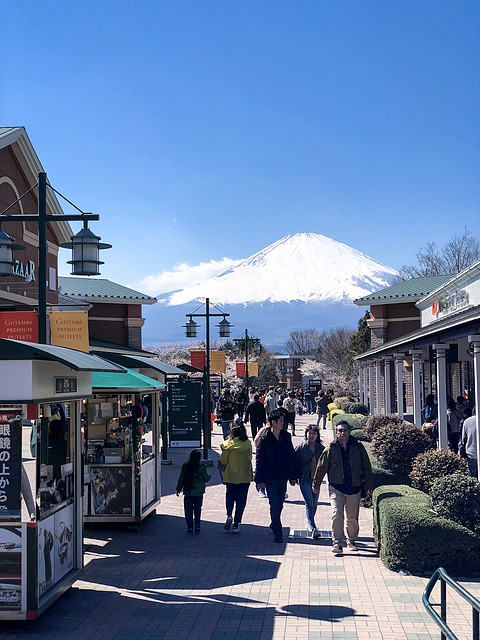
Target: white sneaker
<point>236,528</point>
<point>262,494</point>
<point>228,523</point>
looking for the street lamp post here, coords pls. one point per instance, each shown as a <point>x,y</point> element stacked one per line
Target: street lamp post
<point>85,246</point>
<point>256,349</point>
<point>191,328</point>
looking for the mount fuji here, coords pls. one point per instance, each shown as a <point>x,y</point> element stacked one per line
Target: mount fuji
<point>303,281</point>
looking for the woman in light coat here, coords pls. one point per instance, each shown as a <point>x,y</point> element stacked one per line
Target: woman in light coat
<point>236,459</point>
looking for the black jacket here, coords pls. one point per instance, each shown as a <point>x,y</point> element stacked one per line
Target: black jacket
<point>255,414</point>
<point>275,459</point>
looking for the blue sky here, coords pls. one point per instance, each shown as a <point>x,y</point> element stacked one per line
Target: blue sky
<point>204,129</point>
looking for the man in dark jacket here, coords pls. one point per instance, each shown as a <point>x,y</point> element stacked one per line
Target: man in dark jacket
<point>240,402</point>
<point>348,467</point>
<point>255,414</point>
<point>276,462</point>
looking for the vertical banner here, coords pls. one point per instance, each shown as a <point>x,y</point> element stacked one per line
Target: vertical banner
<point>10,465</point>
<point>70,329</point>
<point>198,359</point>
<point>253,369</point>
<point>217,361</point>
<point>241,372</point>
<point>19,325</point>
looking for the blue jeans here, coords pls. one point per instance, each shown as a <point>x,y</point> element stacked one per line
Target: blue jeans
<point>472,467</point>
<point>226,425</point>
<point>236,496</point>
<point>323,418</point>
<point>309,403</point>
<point>276,497</point>
<point>311,501</point>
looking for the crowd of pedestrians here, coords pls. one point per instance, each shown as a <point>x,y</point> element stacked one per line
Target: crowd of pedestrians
<point>271,415</point>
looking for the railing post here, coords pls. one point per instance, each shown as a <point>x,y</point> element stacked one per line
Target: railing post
<point>443,604</point>
<point>475,624</point>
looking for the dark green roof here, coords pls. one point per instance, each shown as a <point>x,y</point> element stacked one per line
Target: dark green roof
<point>104,348</point>
<point>95,289</point>
<point>407,290</point>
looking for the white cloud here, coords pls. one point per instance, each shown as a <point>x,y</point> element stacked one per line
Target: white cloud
<point>183,275</point>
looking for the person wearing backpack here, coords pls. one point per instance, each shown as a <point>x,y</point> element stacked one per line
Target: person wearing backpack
<point>290,404</point>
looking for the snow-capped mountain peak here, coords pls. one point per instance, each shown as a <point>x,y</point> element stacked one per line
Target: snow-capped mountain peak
<point>306,267</point>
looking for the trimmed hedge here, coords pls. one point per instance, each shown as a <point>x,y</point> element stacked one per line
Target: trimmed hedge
<point>457,497</point>
<point>356,421</point>
<point>359,435</point>
<point>356,407</point>
<point>381,476</point>
<point>341,400</point>
<point>410,536</point>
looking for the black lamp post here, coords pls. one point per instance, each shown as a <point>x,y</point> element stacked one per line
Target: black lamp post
<point>247,341</point>
<point>85,246</point>
<point>191,328</point>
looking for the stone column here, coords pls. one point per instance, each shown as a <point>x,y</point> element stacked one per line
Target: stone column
<point>441,351</point>
<point>388,385</point>
<point>365,385</point>
<point>370,388</point>
<point>417,391</point>
<point>399,382</point>
<point>475,340</point>
<point>360,383</point>
<point>378,380</point>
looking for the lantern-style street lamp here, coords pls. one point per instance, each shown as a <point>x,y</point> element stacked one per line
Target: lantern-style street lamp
<point>245,343</point>
<point>191,328</point>
<point>85,246</point>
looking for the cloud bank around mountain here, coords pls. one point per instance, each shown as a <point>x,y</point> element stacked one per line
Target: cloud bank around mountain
<point>183,275</point>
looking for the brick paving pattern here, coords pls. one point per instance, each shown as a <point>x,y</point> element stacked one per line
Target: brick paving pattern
<point>157,583</point>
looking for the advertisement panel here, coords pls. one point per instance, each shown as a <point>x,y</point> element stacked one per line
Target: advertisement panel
<point>217,361</point>
<point>19,325</point>
<point>111,490</point>
<point>11,544</point>
<point>198,359</point>
<point>69,329</point>
<point>184,413</point>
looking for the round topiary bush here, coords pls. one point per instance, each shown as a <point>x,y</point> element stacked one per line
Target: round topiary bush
<point>359,435</point>
<point>396,445</point>
<point>433,464</point>
<point>457,497</point>
<point>341,400</point>
<point>355,407</point>
<point>375,422</point>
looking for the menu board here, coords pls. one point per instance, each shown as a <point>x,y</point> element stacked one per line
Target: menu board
<point>185,413</point>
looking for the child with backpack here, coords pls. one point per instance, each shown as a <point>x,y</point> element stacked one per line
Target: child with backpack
<point>192,479</point>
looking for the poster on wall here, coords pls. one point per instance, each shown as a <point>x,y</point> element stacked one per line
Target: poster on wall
<point>111,490</point>
<point>184,413</point>
<point>10,465</point>
<point>11,568</point>
<point>46,555</point>
<point>63,542</point>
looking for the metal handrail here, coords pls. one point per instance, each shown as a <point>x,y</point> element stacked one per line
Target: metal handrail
<point>441,620</point>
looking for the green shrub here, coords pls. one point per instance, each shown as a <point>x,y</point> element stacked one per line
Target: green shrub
<point>375,422</point>
<point>356,421</point>
<point>334,413</point>
<point>398,444</point>
<point>359,435</point>
<point>457,497</point>
<point>341,400</point>
<point>433,464</point>
<point>381,476</point>
<point>355,407</point>
<point>412,537</point>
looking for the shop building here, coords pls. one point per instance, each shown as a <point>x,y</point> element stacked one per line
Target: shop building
<point>441,356</point>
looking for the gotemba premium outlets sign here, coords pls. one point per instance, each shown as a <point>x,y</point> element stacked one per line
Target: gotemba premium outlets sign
<point>19,325</point>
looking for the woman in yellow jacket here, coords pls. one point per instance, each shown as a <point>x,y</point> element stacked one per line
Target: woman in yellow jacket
<point>236,459</point>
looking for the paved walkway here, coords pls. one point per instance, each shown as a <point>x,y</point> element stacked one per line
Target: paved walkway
<point>160,584</point>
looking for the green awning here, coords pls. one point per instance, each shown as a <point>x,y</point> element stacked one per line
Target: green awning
<point>127,382</point>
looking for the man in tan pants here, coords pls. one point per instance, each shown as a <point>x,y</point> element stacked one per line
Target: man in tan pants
<point>348,468</point>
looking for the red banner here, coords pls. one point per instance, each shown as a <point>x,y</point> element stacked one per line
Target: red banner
<point>19,325</point>
<point>198,359</point>
<point>241,370</point>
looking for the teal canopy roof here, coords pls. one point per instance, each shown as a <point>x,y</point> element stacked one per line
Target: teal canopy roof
<point>128,382</point>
